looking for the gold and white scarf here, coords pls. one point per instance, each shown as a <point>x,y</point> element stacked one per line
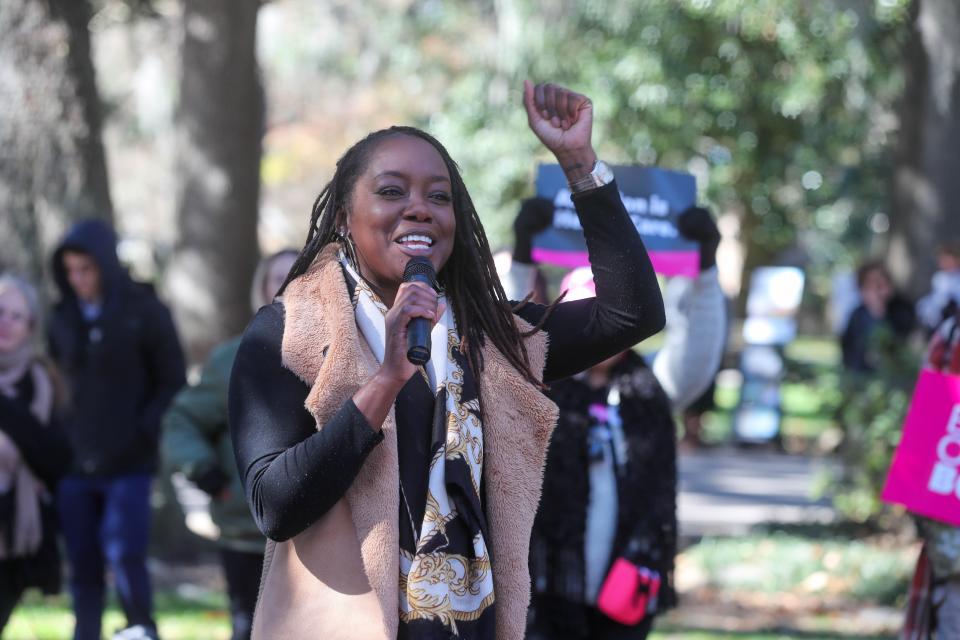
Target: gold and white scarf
<point>436,582</point>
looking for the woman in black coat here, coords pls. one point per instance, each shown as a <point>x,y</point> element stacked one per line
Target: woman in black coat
<point>34,453</point>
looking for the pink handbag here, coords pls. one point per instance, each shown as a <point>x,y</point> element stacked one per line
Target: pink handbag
<point>925,474</point>
<point>629,592</point>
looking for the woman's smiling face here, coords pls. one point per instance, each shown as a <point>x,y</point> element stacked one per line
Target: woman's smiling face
<point>15,322</point>
<point>401,207</point>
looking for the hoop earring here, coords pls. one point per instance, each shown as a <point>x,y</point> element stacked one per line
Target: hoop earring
<point>349,249</point>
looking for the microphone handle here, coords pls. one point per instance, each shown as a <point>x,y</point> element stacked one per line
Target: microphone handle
<point>418,333</point>
<point>418,341</point>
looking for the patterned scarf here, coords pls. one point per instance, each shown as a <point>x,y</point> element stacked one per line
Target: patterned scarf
<point>446,577</point>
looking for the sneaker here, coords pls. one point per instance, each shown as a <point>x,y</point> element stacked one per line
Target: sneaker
<point>136,632</point>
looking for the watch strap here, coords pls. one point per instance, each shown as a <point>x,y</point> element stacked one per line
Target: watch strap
<point>597,177</point>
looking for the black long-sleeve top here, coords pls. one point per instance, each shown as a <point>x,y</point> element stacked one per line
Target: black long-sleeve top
<point>44,447</point>
<point>294,473</point>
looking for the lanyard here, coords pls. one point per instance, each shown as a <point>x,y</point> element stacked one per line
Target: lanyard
<point>616,429</point>
<point>610,429</point>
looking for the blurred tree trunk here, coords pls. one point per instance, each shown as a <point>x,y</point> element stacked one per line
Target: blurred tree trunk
<point>219,138</point>
<point>52,165</point>
<point>927,179</point>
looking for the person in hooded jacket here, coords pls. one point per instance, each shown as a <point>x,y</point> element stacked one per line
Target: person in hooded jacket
<point>196,441</point>
<point>118,349</point>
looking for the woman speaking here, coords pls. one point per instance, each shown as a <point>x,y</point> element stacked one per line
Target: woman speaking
<point>399,499</point>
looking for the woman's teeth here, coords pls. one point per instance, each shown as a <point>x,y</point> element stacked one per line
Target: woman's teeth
<point>415,241</point>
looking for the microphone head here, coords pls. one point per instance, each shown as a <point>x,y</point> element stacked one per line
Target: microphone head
<point>422,267</point>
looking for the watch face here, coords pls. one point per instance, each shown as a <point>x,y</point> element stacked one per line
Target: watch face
<point>602,173</point>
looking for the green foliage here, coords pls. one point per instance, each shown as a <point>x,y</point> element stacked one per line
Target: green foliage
<point>782,111</point>
<point>871,416</point>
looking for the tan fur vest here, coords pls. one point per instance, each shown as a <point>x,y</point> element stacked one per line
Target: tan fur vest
<point>339,578</point>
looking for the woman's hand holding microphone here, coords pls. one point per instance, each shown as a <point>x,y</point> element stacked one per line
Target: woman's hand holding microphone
<point>414,300</point>
<point>376,397</point>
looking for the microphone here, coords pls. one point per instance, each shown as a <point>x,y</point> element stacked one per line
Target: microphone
<point>419,269</point>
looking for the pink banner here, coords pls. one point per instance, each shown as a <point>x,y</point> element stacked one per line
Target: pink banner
<point>667,263</point>
<point>925,474</point>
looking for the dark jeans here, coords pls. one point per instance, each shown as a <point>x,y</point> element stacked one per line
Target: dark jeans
<point>600,628</point>
<point>11,588</point>
<point>106,520</point>
<point>242,570</point>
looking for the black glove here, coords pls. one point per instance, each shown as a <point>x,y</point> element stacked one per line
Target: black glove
<point>535,215</point>
<point>211,481</point>
<point>697,224</point>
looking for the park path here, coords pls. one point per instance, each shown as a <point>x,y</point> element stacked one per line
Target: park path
<point>724,491</point>
<point>728,491</point>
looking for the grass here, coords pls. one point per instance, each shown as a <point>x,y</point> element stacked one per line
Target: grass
<point>829,582</point>
<point>861,572</point>
<point>181,619</point>
<point>668,632</point>
<point>187,616</point>
<point>796,581</point>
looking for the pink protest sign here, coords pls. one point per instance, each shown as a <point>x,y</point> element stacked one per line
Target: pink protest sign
<point>925,474</point>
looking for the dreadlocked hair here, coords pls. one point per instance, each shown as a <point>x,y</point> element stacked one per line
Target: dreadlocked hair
<point>472,286</point>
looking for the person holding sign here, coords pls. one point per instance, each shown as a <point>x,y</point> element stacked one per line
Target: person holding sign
<point>609,503</point>
<point>399,498</point>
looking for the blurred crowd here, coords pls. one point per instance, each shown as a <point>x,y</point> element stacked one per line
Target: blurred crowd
<point>82,428</point>
<point>87,422</point>
<point>881,309</point>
